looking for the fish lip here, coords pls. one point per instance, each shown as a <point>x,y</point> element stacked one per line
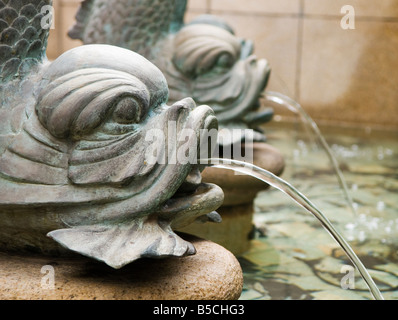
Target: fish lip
<point>184,209</point>
<point>193,194</point>
<point>193,198</point>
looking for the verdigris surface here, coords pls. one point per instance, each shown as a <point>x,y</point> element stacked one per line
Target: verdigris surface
<point>203,59</point>
<point>73,146</point>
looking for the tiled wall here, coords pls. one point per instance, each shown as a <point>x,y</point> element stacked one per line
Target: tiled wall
<point>341,76</point>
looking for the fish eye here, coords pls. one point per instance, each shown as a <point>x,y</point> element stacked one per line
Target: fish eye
<point>128,111</point>
<point>225,61</point>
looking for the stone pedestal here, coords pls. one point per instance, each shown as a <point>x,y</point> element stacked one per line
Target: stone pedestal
<point>234,232</point>
<point>212,274</point>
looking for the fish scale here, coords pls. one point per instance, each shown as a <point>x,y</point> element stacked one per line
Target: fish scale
<point>140,24</point>
<point>23,40</point>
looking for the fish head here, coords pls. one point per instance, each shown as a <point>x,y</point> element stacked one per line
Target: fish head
<point>120,133</point>
<point>222,72</point>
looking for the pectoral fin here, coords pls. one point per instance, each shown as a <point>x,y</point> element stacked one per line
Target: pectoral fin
<point>121,244</point>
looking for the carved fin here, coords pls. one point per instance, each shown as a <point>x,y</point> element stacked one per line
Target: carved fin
<point>83,14</point>
<point>137,25</point>
<point>179,13</point>
<point>118,245</point>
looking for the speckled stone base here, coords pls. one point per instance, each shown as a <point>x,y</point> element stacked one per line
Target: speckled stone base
<point>212,274</point>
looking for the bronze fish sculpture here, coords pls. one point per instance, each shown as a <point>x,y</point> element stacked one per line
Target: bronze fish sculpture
<point>75,136</point>
<point>203,59</point>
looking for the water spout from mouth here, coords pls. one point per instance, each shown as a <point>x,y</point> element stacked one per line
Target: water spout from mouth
<point>303,201</point>
<point>282,100</point>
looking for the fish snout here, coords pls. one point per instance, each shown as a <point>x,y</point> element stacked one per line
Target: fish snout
<point>260,71</point>
<point>200,117</point>
<point>207,128</point>
<point>265,72</point>
<point>184,104</point>
<point>197,127</point>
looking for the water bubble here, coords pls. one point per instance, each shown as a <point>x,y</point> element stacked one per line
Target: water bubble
<point>389,152</point>
<point>380,206</point>
<point>354,147</point>
<point>302,146</point>
<point>362,217</point>
<point>373,224</point>
<point>350,226</point>
<point>362,236</point>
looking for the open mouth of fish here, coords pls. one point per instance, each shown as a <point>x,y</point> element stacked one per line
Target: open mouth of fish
<point>194,200</point>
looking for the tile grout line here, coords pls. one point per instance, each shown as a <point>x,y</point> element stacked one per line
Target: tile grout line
<point>296,15</point>
<point>256,14</point>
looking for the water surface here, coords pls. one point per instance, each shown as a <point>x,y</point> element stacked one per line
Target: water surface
<point>292,257</point>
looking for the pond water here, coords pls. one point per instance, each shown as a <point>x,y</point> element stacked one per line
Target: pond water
<point>291,255</point>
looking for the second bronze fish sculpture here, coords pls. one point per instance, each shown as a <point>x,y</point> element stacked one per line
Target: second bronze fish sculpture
<point>203,59</point>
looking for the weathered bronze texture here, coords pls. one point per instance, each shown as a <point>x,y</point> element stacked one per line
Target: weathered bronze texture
<point>74,145</point>
<point>203,59</point>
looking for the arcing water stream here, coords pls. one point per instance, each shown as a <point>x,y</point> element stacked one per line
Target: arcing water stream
<point>300,199</point>
<point>286,102</point>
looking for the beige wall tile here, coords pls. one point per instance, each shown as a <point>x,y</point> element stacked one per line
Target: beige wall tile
<point>370,8</point>
<point>257,6</point>
<point>69,11</point>
<point>52,46</point>
<point>275,39</point>
<point>198,5</point>
<point>345,75</point>
<point>196,8</point>
<point>54,42</point>
<point>350,75</point>
<point>59,42</point>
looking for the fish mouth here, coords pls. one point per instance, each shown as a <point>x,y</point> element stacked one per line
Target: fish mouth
<point>193,200</point>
